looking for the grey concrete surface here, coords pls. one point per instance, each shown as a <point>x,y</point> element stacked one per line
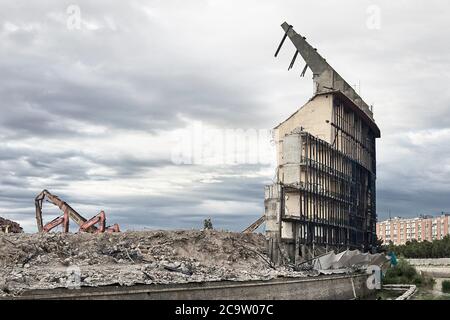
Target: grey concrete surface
<point>317,288</point>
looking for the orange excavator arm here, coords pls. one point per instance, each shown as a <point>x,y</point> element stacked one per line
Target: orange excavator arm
<point>69,213</point>
<point>64,220</point>
<point>99,219</point>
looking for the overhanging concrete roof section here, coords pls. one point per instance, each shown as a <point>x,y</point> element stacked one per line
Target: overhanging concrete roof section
<point>370,123</point>
<point>325,78</point>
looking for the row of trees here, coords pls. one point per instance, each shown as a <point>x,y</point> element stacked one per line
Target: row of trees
<point>424,249</point>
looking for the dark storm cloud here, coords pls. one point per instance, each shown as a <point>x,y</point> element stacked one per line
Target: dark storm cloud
<point>414,176</point>
<point>127,166</point>
<point>186,207</point>
<point>67,165</point>
<point>183,209</point>
<point>109,78</point>
<point>156,107</point>
<point>139,69</point>
<point>412,204</point>
<point>246,190</point>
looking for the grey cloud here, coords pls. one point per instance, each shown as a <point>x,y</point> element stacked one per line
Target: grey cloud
<point>181,210</point>
<point>210,62</point>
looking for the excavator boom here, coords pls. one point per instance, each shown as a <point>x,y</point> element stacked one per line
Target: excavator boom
<point>100,219</point>
<point>63,220</point>
<point>69,213</point>
<point>75,216</point>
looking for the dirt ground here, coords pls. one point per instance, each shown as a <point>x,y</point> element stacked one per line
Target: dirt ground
<point>43,261</point>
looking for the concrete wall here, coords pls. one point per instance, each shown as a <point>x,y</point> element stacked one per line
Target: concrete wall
<point>317,288</point>
<point>430,262</point>
<point>435,271</point>
<point>272,208</point>
<point>312,117</point>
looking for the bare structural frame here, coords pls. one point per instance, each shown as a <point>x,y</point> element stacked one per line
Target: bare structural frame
<point>324,197</point>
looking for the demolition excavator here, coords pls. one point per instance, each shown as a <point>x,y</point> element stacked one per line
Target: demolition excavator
<point>96,224</point>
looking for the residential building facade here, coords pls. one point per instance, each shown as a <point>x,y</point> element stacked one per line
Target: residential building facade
<point>401,230</point>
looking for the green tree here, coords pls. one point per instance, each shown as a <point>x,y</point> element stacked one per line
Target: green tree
<point>424,249</point>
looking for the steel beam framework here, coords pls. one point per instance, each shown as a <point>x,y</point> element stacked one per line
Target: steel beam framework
<point>336,198</point>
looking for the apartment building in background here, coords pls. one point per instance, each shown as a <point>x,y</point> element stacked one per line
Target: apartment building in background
<point>400,230</point>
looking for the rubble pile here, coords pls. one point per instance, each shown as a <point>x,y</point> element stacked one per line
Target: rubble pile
<point>52,260</point>
<point>8,226</point>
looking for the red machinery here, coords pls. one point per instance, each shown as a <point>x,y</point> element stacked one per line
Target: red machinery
<point>101,220</point>
<point>70,213</point>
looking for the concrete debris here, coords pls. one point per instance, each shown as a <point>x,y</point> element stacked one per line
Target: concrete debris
<point>54,260</point>
<point>8,226</point>
<point>348,261</point>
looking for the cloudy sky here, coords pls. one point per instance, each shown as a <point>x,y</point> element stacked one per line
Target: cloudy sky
<point>125,105</point>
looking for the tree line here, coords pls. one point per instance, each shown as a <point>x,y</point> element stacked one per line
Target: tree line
<point>423,249</point>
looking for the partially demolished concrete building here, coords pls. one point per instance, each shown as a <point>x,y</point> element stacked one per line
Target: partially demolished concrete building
<point>324,194</point>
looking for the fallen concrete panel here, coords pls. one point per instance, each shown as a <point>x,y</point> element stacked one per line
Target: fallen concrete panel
<point>345,260</point>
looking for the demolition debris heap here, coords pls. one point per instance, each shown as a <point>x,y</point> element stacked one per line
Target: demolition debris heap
<point>48,260</point>
<point>8,226</point>
<point>324,194</point>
